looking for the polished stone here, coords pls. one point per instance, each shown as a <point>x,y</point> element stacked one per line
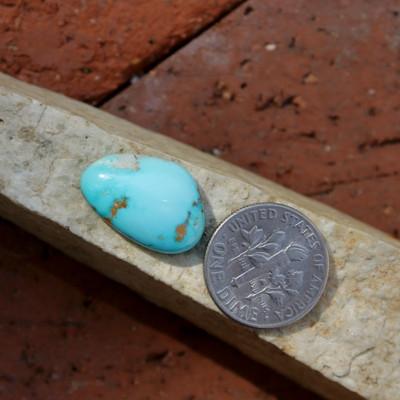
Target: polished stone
<point>151,201</point>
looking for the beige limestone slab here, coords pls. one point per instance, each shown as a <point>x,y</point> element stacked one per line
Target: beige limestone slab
<point>348,347</point>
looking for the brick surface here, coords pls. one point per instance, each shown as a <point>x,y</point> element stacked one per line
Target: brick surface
<point>68,333</point>
<point>303,93</point>
<point>86,49</point>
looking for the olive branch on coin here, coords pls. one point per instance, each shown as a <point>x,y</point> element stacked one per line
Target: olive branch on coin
<point>261,249</point>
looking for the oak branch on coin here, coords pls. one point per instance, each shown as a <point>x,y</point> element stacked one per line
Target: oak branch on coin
<point>269,285</point>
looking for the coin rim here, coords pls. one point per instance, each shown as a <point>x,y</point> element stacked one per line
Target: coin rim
<point>296,317</point>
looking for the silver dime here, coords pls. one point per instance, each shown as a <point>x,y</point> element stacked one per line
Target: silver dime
<point>266,265</point>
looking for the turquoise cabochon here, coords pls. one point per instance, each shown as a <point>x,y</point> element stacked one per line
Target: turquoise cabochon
<point>151,201</point>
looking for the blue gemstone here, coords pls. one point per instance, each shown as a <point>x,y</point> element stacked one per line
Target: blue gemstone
<point>151,201</point>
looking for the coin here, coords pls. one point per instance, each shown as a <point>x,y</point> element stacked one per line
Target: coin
<point>266,265</point>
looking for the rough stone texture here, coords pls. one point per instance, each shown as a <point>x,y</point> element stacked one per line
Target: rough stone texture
<point>69,333</point>
<point>86,49</point>
<point>302,92</point>
<point>349,344</point>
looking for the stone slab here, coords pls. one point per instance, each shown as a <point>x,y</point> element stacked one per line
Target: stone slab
<point>347,347</point>
<point>303,93</point>
<point>87,49</point>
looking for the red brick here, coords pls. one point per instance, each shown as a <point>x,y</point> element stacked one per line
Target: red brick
<point>68,333</point>
<point>86,49</point>
<point>242,91</point>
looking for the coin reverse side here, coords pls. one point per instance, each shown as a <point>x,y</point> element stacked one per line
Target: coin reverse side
<point>266,265</point>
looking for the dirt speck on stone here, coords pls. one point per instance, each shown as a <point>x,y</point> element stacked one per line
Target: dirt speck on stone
<point>310,78</point>
<point>271,46</point>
